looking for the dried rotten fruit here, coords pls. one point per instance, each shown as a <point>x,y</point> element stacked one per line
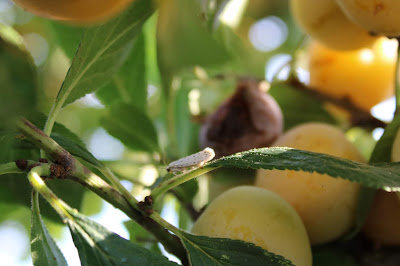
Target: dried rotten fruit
<point>250,118</point>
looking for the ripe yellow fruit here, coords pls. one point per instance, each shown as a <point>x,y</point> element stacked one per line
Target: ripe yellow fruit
<point>325,204</point>
<point>382,223</point>
<point>379,17</point>
<point>77,11</point>
<point>258,216</point>
<point>365,77</point>
<point>325,22</point>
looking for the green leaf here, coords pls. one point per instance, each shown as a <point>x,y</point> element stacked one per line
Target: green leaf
<point>187,191</point>
<point>102,51</point>
<point>298,107</point>
<point>379,176</point>
<point>383,148</point>
<point>222,251</point>
<point>98,246</point>
<point>67,37</point>
<point>39,120</point>
<point>131,126</point>
<point>212,9</point>
<point>141,236</point>
<point>381,154</point>
<point>76,149</point>
<point>44,250</point>
<point>129,85</point>
<point>183,39</point>
<point>186,132</point>
<point>18,77</point>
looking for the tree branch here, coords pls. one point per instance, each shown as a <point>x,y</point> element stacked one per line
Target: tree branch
<point>359,117</point>
<point>71,168</point>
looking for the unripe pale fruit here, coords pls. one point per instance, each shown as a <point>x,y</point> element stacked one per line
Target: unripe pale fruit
<point>364,77</point>
<point>376,16</point>
<point>382,223</point>
<point>325,22</point>
<point>325,204</point>
<point>77,11</point>
<point>258,216</point>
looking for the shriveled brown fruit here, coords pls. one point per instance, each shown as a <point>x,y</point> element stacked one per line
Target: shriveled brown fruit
<point>250,118</point>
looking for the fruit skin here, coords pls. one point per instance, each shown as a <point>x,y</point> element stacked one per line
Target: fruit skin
<point>378,16</point>
<point>325,22</point>
<point>258,216</point>
<point>325,204</point>
<point>364,77</point>
<point>382,223</point>
<point>76,11</point>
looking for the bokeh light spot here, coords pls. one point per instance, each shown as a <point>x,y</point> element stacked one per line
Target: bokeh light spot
<point>268,33</point>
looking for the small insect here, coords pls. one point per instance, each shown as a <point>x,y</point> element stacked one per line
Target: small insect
<point>195,160</point>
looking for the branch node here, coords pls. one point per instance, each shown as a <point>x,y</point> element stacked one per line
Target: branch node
<point>58,171</point>
<point>21,164</point>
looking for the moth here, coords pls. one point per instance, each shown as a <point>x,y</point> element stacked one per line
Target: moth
<point>195,160</point>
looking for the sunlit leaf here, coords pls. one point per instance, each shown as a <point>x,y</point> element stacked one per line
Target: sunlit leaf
<point>129,85</point>
<point>67,37</point>
<point>44,250</point>
<point>379,176</point>
<point>103,49</point>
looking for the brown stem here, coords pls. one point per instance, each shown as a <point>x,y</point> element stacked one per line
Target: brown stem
<point>72,169</point>
<point>359,117</point>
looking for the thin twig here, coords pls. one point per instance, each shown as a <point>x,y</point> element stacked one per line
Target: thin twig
<point>359,117</point>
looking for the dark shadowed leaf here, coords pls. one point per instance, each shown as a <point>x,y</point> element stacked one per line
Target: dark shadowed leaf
<point>331,256</point>
<point>298,108</point>
<point>381,154</point>
<point>98,246</point>
<point>131,126</point>
<point>103,49</point>
<point>222,251</point>
<point>44,250</point>
<point>141,236</point>
<point>18,77</point>
<point>379,176</point>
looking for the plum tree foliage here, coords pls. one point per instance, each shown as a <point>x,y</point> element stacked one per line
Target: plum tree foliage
<point>97,98</point>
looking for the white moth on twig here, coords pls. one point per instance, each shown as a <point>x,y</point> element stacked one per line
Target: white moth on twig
<point>195,160</point>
